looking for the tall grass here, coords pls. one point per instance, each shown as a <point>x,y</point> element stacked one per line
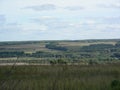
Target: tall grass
<point>59,77</point>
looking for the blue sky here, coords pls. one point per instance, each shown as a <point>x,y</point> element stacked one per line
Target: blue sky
<point>59,19</point>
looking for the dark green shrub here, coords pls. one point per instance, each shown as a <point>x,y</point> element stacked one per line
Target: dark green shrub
<point>115,85</point>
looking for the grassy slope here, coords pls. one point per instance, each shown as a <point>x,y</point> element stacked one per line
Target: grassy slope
<point>59,77</point>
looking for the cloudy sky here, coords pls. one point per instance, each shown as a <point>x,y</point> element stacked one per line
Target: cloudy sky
<point>59,19</point>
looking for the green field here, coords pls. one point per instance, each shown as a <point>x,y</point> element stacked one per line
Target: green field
<point>60,77</point>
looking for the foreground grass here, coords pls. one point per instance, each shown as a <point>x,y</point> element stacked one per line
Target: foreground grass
<point>60,77</point>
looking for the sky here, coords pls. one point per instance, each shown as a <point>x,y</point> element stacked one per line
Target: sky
<point>59,19</point>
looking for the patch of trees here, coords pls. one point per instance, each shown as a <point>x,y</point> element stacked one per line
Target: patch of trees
<point>55,47</point>
<point>40,54</point>
<point>86,55</point>
<point>96,47</point>
<point>116,55</point>
<point>115,85</point>
<point>117,44</point>
<point>59,61</point>
<point>12,54</point>
<point>18,43</point>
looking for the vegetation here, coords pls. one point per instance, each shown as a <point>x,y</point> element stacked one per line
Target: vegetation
<point>56,47</point>
<point>60,65</point>
<point>11,54</point>
<point>87,52</point>
<point>60,77</point>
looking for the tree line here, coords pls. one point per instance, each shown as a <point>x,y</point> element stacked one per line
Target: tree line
<point>91,52</point>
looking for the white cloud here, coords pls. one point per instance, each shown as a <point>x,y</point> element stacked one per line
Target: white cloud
<point>31,28</point>
<point>47,17</point>
<point>44,7</point>
<point>114,5</point>
<point>50,7</point>
<point>90,22</point>
<point>2,20</point>
<point>74,8</point>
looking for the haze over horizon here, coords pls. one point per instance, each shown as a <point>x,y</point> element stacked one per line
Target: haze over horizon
<point>22,20</point>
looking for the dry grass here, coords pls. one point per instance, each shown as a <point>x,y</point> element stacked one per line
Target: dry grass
<point>59,77</point>
<point>83,43</point>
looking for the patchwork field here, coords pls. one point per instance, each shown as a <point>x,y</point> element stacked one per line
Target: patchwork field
<point>46,52</point>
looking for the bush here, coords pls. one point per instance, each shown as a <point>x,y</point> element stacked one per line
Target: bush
<point>115,85</point>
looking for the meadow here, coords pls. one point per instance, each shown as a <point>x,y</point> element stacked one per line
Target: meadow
<point>60,77</point>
